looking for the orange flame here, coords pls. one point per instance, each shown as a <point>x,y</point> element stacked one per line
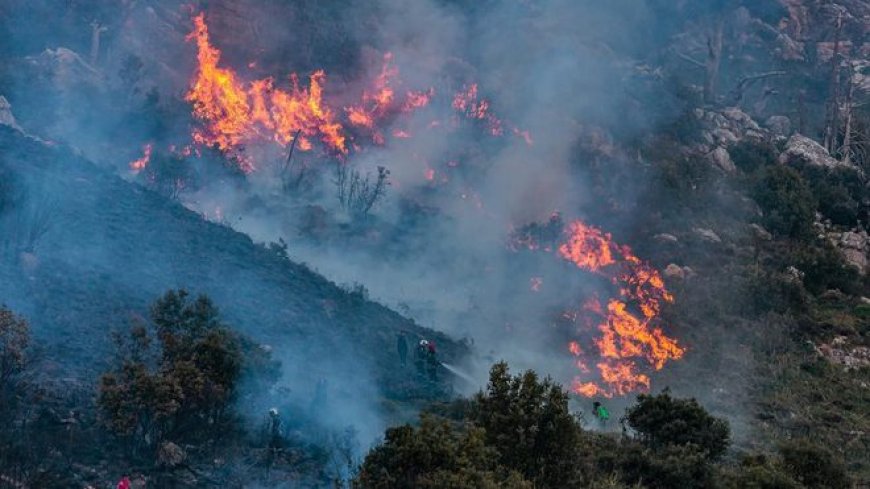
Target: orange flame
<point>140,164</point>
<point>627,332</point>
<point>234,112</point>
<point>624,336</point>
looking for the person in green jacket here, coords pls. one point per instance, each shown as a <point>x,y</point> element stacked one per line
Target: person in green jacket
<point>600,412</point>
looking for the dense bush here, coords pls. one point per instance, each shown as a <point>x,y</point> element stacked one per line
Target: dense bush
<point>662,421</point>
<point>813,466</point>
<point>14,340</point>
<point>787,201</point>
<point>528,422</point>
<point>519,433</point>
<point>749,155</point>
<point>841,193</point>
<point>180,390</point>
<point>435,455</point>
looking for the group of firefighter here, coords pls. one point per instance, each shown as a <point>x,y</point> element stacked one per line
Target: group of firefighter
<point>425,356</point>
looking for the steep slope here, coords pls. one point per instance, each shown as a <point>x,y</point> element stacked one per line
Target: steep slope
<point>113,247</point>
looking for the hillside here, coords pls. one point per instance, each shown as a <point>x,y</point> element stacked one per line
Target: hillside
<point>655,213</point>
<point>113,247</point>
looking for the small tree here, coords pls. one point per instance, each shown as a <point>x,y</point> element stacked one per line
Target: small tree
<point>435,455</point>
<point>813,466</point>
<point>14,339</point>
<point>662,421</point>
<point>787,201</point>
<point>180,391</point>
<point>357,193</point>
<point>528,422</point>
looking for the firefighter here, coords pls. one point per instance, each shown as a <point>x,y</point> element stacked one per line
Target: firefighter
<point>274,428</point>
<point>432,360</point>
<point>600,412</point>
<point>402,347</point>
<point>420,356</point>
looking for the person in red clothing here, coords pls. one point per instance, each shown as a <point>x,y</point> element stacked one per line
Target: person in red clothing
<point>124,483</point>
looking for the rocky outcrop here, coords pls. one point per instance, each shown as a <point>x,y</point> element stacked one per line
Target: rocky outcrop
<point>6,117</point>
<point>801,150</point>
<point>854,246</point>
<point>840,352</point>
<point>722,159</point>
<point>707,235</point>
<point>779,125</point>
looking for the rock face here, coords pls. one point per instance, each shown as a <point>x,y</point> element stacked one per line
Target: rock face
<point>170,455</point>
<point>839,352</point>
<point>722,159</point>
<point>801,150</point>
<point>855,247</point>
<point>779,125</point>
<point>707,235</point>
<point>6,117</point>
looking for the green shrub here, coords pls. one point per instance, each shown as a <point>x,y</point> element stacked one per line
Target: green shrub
<point>663,421</point>
<point>169,392</point>
<point>813,466</point>
<point>528,422</point>
<point>749,156</point>
<point>435,455</point>
<point>787,201</point>
<point>840,193</point>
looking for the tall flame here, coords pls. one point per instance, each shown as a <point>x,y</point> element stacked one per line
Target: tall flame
<point>627,329</point>
<point>234,112</point>
<point>139,164</point>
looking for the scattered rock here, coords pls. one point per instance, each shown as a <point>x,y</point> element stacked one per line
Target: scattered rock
<point>854,246</point>
<point>794,274</point>
<point>170,455</point>
<point>801,150</point>
<point>865,300</point>
<point>740,119</point>
<point>674,271</point>
<point>851,357</point>
<point>779,125</point>
<point>665,238</point>
<point>722,159</point>
<point>707,235</point>
<point>724,137</point>
<point>760,233</point>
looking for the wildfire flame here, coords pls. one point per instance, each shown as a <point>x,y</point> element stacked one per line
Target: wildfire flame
<point>234,112</point>
<point>140,164</point>
<point>627,327</point>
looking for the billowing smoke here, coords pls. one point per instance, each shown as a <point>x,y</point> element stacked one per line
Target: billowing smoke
<point>467,175</point>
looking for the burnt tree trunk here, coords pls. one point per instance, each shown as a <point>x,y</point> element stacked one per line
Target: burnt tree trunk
<point>714,59</point>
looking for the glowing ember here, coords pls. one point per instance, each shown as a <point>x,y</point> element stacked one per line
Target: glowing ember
<point>141,163</point>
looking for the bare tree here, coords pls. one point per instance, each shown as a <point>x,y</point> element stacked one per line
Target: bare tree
<point>832,119</point>
<point>292,175</point>
<point>714,58</point>
<point>358,193</point>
